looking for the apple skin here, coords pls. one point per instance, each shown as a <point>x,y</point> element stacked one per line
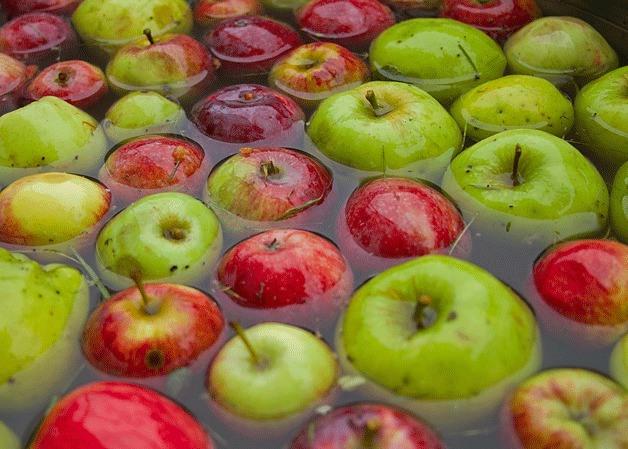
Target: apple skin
<point>602,116</point>
<point>348,427</point>
<point>580,290</point>
<point>619,203</point>
<point>312,72</point>
<point>44,310</point>
<point>566,408</point>
<point>104,415</point>
<point>13,76</point>
<point>513,102</point>
<point>416,137</point>
<point>177,328</point>
<point>352,24</point>
<point>561,196</point>
<point>284,275</point>
<point>209,13</point>
<point>61,7</point>
<point>8,438</point>
<point>478,321</point>
<point>619,361</point>
<point>442,56</point>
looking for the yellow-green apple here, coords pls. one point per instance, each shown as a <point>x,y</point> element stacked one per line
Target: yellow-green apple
<point>165,237</point>
<point>422,334</point>
<point>442,56</point>
<point>528,186</point>
<point>314,71</point>
<point>566,408</point>
<point>513,102</point>
<point>619,203</point>
<point>49,135</point>
<point>389,127</point>
<point>209,13</point>
<point>44,309</point>
<point>8,438</point>
<point>619,361</point>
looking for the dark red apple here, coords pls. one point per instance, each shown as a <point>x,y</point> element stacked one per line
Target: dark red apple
<point>16,7</point>
<point>497,18</point>
<point>250,45</point>
<point>155,163</point>
<point>367,425</point>
<point>77,82</point>
<point>13,76</point>
<point>350,23</point>
<point>285,275</point>
<point>108,415</point>
<point>211,12</point>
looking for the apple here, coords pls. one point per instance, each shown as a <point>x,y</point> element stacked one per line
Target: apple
<point>513,102</point>
<point>176,65</point>
<point>142,112</point>
<point>350,23</point>
<point>209,13</point>
<point>270,378</point>
<point>602,116</point>
<point>75,81</point>
<point>619,361</point>
<point>13,75</point>
<point>619,203</point>
<point>8,438</point>
<point>153,164</point>
<point>62,7</point>
<point>560,48</point>
<point>108,25</point>
<point>497,18</point>
<point>250,45</point>
<point>165,237</point>
<point>389,127</point>
<point>49,135</point>
<point>312,72</point>
<point>566,408</point>
<point>528,186</point>
<point>580,290</point>
<point>366,425</point>
<point>423,333</point>
<point>101,415</point>
<point>442,56</point>
<point>151,330</point>
<point>407,9</point>
<point>52,211</point>
<point>43,312</point>
<point>284,275</point>
<point>283,10</point>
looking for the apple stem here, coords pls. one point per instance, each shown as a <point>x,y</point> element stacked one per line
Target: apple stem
<point>371,430</point>
<point>149,35</point>
<point>372,99</point>
<point>258,361</point>
<point>424,314</point>
<point>174,170</point>
<point>151,307</point>
<point>268,169</point>
<point>468,58</point>
<point>515,166</point>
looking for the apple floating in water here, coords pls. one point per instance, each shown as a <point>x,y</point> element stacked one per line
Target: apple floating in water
<point>619,361</point>
<point>422,334</point>
<point>13,76</point>
<point>43,312</point>
<point>61,7</point>
<point>8,438</point>
<point>619,203</point>
<point>209,13</point>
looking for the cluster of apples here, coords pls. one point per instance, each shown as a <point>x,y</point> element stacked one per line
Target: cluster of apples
<point>311,225</point>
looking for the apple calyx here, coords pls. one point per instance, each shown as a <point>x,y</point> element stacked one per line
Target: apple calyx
<point>151,306</point>
<point>261,363</point>
<point>371,429</point>
<point>582,418</point>
<point>149,35</point>
<point>515,175</point>
<point>62,78</point>
<point>379,109</point>
<point>268,169</point>
<point>424,313</point>
<point>248,96</point>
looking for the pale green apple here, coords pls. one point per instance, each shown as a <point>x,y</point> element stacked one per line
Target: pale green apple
<point>619,361</point>
<point>440,337</point>
<point>444,57</point>
<point>619,203</point>
<point>111,24</point>
<point>49,135</point>
<point>513,102</point>
<point>42,314</point>
<point>169,237</point>
<point>556,192</point>
<point>401,130</point>
<point>8,438</point>
<point>601,109</point>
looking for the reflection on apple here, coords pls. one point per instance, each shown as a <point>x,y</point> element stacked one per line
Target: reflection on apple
<point>619,203</point>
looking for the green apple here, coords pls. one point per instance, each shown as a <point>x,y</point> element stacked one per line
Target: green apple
<point>44,309</point>
<point>165,237</point>
<point>602,116</point>
<point>388,127</point>
<point>619,203</point>
<point>142,112</point>
<point>561,49</point>
<point>8,438</point>
<point>440,337</point>
<point>528,186</point>
<point>513,102</point>
<point>111,24</point>
<point>49,135</point>
<point>442,56</point>
<point>619,361</point>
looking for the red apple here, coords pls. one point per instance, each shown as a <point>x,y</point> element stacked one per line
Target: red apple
<point>497,18</point>
<point>78,82</point>
<point>285,275</point>
<point>350,23</point>
<point>367,425</point>
<point>155,163</point>
<point>312,72</point>
<point>251,44</point>
<point>16,7</point>
<point>13,76</point>
<point>211,12</point>
<point>566,408</point>
<point>580,291</point>
<point>108,415</point>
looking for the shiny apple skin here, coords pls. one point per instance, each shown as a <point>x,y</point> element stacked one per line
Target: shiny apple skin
<point>110,415</point>
<point>13,76</point>
<point>75,81</point>
<point>211,12</point>
<point>16,7</point>
<point>251,44</point>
